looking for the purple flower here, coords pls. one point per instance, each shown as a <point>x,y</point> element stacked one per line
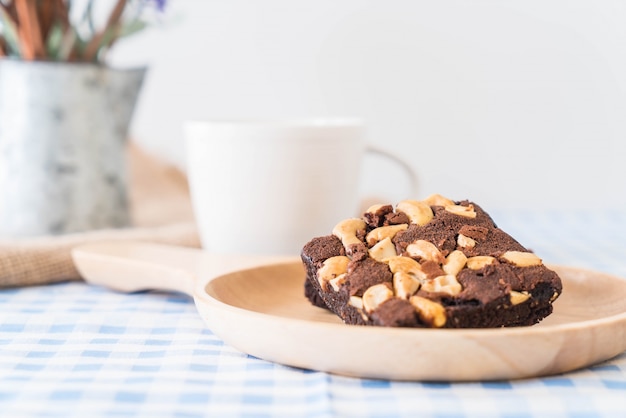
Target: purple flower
<point>160,4</point>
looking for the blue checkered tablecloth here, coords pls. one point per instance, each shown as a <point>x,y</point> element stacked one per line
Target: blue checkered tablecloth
<point>73,350</point>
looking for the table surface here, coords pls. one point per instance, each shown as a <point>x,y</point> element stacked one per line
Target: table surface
<point>72,349</point>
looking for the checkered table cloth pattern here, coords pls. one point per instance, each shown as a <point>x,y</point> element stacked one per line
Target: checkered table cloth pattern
<point>73,350</point>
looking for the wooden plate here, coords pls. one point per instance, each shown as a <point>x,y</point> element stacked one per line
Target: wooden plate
<point>261,311</point>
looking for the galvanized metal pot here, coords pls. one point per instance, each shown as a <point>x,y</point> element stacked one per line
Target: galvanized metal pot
<point>63,135</point>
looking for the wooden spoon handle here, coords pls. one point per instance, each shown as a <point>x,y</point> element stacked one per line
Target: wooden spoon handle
<point>135,266</point>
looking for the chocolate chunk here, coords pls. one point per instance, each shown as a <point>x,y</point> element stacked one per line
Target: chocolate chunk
<point>395,313</point>
<point>357,251</point>
<point>319,249</point>
<point>396,218</point>
<point>478,233</point>
<point>377,219</point>
<point>432,269</point>
<point>365,273</point>
<point>483,285</point>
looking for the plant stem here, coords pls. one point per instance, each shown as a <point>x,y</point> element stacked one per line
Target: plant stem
<point>32,45</point>
<point>62,13</point>
<point>46,18</point>
<point>67,45</point>
<point>26,44</point>
<point>93,47</point>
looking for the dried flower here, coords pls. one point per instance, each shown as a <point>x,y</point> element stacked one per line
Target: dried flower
<point>160,4</point>
<point>44,30</point>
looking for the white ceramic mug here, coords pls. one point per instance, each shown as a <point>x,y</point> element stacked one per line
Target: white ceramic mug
<point>269,187</point>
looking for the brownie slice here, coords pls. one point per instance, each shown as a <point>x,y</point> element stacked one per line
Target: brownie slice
<point>433,263</point>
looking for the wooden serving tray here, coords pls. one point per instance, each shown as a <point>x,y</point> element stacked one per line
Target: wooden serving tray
<point>257,306</point>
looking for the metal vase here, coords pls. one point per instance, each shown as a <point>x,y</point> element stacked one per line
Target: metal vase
<point>63,136</point>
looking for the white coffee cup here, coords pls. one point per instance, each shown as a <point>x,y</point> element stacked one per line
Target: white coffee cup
<point>268,187</point>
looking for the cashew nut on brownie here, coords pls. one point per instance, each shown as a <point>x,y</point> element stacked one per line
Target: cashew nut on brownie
<point>433,263</point>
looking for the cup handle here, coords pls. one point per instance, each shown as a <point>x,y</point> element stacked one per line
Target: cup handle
<point>410,173</point>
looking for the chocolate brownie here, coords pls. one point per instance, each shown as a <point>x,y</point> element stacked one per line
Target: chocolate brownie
<point>433,263</point>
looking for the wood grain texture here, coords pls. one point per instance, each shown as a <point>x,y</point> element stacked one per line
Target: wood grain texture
<point>257,306</point>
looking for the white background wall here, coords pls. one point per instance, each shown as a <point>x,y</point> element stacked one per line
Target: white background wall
<point>507,103</point>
